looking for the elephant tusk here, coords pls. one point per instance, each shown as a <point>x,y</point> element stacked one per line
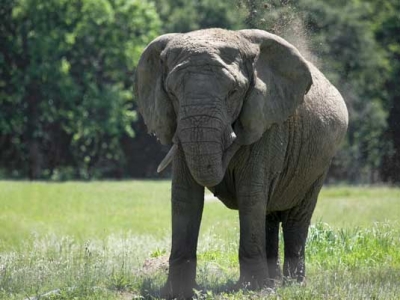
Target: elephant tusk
<point>167,159</point>
<point>233,136</point>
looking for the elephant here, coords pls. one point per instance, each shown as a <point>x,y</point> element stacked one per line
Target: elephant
<point>250,119</point>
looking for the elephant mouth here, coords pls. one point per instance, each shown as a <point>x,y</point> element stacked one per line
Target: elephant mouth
<point>228,154</point>
<point>226,158</point>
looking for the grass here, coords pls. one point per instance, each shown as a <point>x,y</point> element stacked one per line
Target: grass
<point>110,240</point>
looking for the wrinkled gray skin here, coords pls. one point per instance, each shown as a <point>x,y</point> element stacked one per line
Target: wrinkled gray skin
<point>255,123</point>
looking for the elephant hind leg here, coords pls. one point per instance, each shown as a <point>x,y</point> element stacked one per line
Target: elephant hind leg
<point>295,223</point>
<point>294,240</point>
<point>272,246</point>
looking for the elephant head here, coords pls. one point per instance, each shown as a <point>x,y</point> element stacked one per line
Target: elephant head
<point>211,91</point>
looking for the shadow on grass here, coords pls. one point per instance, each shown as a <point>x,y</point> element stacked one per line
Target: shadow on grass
<point>151,290</point>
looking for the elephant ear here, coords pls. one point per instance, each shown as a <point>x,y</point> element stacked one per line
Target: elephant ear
<point>281,78</point>
<point>153,102</point>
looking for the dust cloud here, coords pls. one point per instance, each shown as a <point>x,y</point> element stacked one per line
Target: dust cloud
<point>283,19</point>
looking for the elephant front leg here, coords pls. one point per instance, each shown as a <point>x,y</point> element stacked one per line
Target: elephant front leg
<point>252,248</point>
<point>187,208</point>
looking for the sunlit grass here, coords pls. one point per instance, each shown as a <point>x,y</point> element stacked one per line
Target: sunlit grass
<point>110,240</point>
<point>82,210</point>
<point>357,206</point>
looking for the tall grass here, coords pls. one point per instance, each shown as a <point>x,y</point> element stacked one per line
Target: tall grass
<point>110,240</point>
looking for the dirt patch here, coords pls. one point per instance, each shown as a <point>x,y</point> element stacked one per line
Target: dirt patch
<point>155,264</point>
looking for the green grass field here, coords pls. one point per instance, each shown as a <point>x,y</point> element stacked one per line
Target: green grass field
<point>110,240</point>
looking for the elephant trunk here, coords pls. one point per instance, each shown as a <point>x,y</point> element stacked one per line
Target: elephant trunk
<point>205,140</point>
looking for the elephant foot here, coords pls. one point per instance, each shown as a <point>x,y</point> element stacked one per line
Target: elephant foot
<point>253,285</point>
<point>275,276</point>
<point>265,290</point>
<point>178,291</point>
<point>254,276</point>
<point>274,272</point>
<point>181,280</point>
<point>294,273</point>
<point>254,282</point>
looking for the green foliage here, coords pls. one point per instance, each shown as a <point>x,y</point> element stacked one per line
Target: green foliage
<point>67,68</point>
<point>187,15</point>
<point>386,26</point>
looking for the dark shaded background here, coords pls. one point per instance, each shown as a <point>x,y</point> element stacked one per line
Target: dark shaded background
<point>67,107</point>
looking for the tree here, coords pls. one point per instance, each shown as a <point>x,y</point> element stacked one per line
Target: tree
<point>66,76</point>
<point>188,15</point>
<point>386,28</point>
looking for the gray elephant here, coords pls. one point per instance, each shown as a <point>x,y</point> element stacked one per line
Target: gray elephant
<point>250,119</point>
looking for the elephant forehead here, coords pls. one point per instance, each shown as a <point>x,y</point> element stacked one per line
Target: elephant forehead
<point>205,42</point>
<point>212,37</point>
<point>202,49</point>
